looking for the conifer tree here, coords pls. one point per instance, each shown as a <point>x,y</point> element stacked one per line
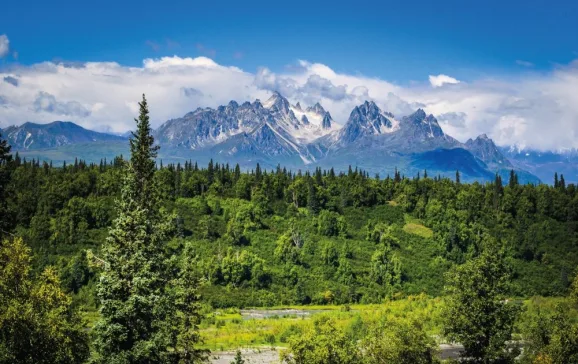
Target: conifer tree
<point>187,317</point>
<point>5,159</point>
<point>136,289</point>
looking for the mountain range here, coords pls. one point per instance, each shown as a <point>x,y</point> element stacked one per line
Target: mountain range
<point>276,132</point>
<point>31,136</point>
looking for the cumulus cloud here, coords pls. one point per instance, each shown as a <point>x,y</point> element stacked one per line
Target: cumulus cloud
<point>440,80</point>
<point>4,45</point>
<point>323,87</point>
<point>534,110</point>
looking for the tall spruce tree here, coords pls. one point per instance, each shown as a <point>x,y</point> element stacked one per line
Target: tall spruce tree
<point>5,159</point>
<point>136,288</point>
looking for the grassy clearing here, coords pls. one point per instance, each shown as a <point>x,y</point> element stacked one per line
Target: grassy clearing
<point>415,226</point>
<point>418,229</point>
<point>226,330</point>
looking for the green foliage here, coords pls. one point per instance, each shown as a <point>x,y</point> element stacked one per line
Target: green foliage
<point>385,267</point>
<point>289,246</point>
<point>323,344</point>
<point>238,268</point>
<point>330,223</point>
<point>37,323</point>
<point>5,174</point>
<point>238,358</point>
<point>187,317</point>
<point>77,273</point>
<point>399,341</point>
<point>551,337</point>
<point>478,315</point>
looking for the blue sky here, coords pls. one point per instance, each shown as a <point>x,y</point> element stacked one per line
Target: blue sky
<point>399,40</point>
<point>508,69</point>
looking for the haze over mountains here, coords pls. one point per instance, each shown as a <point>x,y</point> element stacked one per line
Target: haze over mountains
<point>276,132</point>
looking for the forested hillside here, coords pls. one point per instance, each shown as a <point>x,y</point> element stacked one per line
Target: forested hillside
<point>106,262</point>
<point>279,237</point>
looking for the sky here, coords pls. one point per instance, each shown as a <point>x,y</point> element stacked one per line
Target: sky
<point>504,68</point>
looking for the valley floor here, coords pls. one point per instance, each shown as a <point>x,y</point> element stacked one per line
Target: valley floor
<point>262,333</point>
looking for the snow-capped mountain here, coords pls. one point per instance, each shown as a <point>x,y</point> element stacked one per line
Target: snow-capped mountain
<point>257,131</point>
<point>366,120</point>
<point>303,125</point>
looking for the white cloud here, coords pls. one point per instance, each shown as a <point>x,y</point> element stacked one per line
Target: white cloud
<point>4,45</point>
<point>535,110</point>
<point>440,80</point>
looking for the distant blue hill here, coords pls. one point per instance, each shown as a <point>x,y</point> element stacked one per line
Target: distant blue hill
<point>32,136</point>
<point>449,160</point>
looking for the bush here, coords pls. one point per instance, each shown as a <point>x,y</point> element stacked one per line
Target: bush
<point>330,223</point>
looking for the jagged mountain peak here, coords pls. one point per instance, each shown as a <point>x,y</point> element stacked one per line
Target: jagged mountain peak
<point>486,150</point>
<point>422,126</point>
<point>277,101</point>
<point>317,108</point>
<point>366,120</point>
<point>298,106</point>
<point>418,116</point>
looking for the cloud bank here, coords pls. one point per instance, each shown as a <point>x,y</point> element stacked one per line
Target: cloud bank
<point>531,110</point>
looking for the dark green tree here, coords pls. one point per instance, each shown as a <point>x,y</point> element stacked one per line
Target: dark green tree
<point>187,316</point>
<point>477,313</point>
<point>5,172</point>
<point>142,160</point>
<point>138,302</point>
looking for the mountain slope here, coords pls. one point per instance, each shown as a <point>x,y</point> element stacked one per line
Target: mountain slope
<point>31,136</point>
<point>544,164</point>
<point>485,149</point>
<point>451,160</point>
